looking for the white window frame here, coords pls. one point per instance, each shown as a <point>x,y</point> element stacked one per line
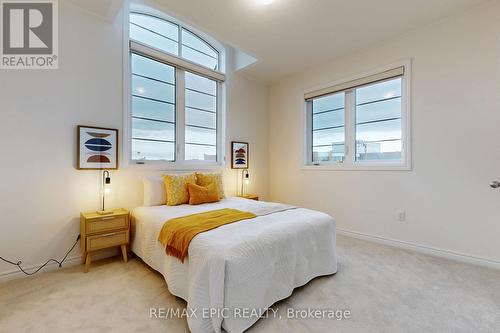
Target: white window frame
<point>181,66</point>
<point>350,162</point>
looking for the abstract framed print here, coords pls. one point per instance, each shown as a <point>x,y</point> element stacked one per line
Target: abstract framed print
<point>239,155</point>
<point>97,148</point>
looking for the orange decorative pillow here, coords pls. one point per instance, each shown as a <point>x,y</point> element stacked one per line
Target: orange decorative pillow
<point>200,194</point>
<point>205,179</point>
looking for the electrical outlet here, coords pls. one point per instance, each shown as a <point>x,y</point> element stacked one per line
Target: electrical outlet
<point>402,216</point>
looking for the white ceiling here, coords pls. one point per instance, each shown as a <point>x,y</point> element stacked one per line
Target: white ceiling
<point>289,35</point>
<point>107,9</point>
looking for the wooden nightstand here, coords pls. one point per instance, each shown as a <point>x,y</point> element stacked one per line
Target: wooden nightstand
<point>250,196</point>
<point>103,231</point>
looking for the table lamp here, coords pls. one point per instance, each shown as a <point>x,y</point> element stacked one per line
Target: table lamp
<point>245,180</point>
<point>106,189</point>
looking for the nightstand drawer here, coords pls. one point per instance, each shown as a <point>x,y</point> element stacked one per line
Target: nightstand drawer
<point>106,223</point>
<point>107,240</point>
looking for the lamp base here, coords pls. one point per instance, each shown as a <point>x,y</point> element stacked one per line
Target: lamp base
<point>104,212</point>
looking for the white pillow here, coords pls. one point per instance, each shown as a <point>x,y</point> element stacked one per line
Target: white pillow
<point>155,193</point>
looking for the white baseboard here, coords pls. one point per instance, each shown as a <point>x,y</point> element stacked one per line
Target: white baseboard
<point>457,256</point>
<point>52,266</point>
<point>448,254</point>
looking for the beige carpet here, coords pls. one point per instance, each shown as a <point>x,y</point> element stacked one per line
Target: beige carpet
<point>386,290</point>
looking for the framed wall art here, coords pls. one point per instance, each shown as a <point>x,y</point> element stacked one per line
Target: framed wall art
<point>97,148</point>
<point>239,155</point>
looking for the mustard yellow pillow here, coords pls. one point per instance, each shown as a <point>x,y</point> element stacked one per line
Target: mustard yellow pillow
<point>205,179</point>
<point>201,194</point>
<point>176,186</point>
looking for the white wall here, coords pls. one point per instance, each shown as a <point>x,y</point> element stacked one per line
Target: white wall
<point>456,141</point>
<point>41,193</point>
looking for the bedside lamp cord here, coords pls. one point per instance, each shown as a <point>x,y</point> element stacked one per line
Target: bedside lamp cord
<point>18,264</point>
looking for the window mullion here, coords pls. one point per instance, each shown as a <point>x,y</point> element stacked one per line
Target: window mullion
<point>179,45</point>
<point>350,127</point>
<point>405,121</point>
<point>219,121</point>
<point>309,135</point>
<point>180,116</point>
<point>178,62</point>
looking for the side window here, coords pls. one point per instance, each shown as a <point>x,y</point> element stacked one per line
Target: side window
<point>360,123</point>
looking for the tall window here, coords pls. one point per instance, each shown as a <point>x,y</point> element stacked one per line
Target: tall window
<point>176,102</point>
<point>360,123</point>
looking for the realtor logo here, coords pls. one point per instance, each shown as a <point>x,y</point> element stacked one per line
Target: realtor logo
<point>29,34</point>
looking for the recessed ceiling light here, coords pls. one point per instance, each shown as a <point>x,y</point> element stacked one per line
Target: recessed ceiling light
<point>266,2</point>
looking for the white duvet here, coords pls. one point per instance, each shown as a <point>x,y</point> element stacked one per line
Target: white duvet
<point>243,266</point>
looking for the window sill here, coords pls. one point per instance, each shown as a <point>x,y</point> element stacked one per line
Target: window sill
<point>358,167</point>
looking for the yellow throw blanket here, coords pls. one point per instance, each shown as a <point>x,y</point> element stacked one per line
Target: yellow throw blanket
<point>176,234</point>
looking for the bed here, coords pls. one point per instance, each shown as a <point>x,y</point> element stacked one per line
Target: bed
<point>239,267</point>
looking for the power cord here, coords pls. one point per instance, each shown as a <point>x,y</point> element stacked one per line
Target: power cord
<point>18,264</point>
